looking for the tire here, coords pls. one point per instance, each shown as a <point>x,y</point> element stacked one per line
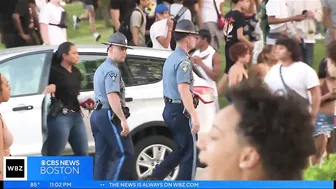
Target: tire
<point>149,142</point>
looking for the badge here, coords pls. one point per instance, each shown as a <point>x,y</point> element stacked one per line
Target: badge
<point>185,65</point>
<point>113,76</point>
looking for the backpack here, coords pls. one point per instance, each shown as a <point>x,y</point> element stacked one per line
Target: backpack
<point>63,22</point>
<point>264,19</point>
<point>175,19</point>
<point>125,26</point>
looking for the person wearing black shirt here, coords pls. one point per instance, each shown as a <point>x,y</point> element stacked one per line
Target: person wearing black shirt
<point>10,38</point>
<point>21,18</point>
<point>65,124</point>
<point>234,32</point>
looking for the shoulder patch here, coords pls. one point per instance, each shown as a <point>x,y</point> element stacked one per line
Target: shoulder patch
<point>113,75</point>
<point>185,65</point>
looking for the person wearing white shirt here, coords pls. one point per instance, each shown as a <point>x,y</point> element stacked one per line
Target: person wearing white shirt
<point>280,21</point>
<point>209,15</point>
<point>52,30</point>
<point>176,7</point>
<point>161,30</point>
<point>292,75</point>
<point>306,29</point>
<point>40,4</point>
<point>208,59</point>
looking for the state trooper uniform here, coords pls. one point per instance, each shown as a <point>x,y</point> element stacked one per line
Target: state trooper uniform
<point>105,126</point>
<point>177,70</point>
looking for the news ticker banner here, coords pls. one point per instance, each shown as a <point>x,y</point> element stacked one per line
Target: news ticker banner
<point>48,168</point>
<point>77,172</point>
<point>172,184</point>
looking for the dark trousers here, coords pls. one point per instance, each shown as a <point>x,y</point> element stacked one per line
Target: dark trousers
<point>184,154</point>
<point>111,148</point>
<point>309,54</point>
<point>63,128</point>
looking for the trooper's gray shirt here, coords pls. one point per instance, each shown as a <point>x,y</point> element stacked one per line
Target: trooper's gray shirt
<point>107,79</point>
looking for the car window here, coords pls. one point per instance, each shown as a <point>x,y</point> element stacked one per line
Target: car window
<point>87,66</point>
<point>143,70</point>
<point>24,73</point>
<point>135,71</point>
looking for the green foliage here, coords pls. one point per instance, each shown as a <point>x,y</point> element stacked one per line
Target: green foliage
<point>326,171</point>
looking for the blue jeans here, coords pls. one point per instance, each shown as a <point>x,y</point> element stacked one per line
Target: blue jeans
<point>65,128</point>
<point>324,124</point>
<point>114,153</point>
<point>185,152</point>
<point>309,54</point>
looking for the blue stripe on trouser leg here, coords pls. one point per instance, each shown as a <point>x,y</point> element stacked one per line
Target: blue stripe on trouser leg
<point>194,166</point>
<point>184,152</point>
<point>108,152</point>
<point>121,162</point>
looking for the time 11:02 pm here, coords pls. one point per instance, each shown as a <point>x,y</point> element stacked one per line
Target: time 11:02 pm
<point>59,184</point>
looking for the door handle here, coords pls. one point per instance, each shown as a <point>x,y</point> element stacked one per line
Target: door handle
<point>20,108</point>
<point>129,99</point>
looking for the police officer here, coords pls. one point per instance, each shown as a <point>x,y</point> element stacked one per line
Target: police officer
<point>180,109</point>
<point>108,121</point>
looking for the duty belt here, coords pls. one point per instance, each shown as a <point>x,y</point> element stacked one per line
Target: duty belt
<point>172,101</point>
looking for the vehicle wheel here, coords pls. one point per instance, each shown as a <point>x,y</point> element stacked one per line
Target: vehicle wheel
<point>151,151</point>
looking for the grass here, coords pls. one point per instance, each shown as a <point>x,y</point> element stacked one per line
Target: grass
<point>83,35</point>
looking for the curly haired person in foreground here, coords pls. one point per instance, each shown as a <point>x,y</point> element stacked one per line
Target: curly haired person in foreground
<point>265,136</point>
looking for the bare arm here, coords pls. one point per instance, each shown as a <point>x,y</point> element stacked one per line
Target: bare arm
<point>184,90</point>
<point>318,13</point>
<point>135,35</point>
<point>35,17</point>
<point>257,5</point>
<point>44,33</point>
<point>326,18</point>
<point>243,39</point>
<point>165,41</point>
<point>217,67</point>
<point>316,99</point>
<point>1,147</point>
<point>198,14</point>
<point>114,101</point>
<point>18,24</point>
<point>221,8</point>
<point>274,20</point>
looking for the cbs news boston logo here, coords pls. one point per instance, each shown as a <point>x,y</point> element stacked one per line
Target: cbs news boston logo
<point>15,168</point>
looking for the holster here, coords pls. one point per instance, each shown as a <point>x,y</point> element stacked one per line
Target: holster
<point>115,120</point>
<point>98,105</point>
<point>56,106</point>
<point>196,102</point>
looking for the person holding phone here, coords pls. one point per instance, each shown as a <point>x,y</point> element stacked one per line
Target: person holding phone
<point>312,11</point>
<point>64,121</point>
<point>161,30</point>
<point>208,60</point>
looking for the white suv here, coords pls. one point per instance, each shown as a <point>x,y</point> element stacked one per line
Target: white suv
<point>27,69</point>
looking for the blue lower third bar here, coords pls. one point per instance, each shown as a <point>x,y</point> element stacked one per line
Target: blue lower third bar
<point>171,184</point>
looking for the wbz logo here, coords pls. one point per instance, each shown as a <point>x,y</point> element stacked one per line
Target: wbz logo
<point>15,168</point>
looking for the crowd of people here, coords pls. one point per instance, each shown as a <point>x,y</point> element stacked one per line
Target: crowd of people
<point>281,112</point>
